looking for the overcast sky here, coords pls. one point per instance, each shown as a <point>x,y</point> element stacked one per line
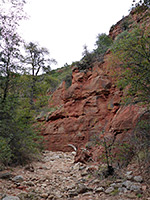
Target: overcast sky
<point>65,26</point>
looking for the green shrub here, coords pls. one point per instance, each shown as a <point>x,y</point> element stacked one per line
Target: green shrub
<point>19,140</point>
<point>68,80</point>
<point>86,62</point>
<point>103,43</point>
<point>141,140</point>
<point>5,151</point>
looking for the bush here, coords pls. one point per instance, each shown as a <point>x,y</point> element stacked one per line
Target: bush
<point>103,43</point>
<point>86,62</point>
<point>131,52</point>
<point>5,151</point>
<point>115,153</point>
<point>68,80</point>
<point>141,140</point>
<point>19,140</point>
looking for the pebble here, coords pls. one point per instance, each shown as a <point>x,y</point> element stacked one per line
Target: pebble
<point>135,188</point>
<point>131,196</point>
<point>18,178</point>
<point>109,190</point>
<point>10,198</point>
<point>129,173</point>
<point>127,184</point>
<point>138,179</point>
<point>99,189</point>
<point>122,190</point>
<point>29,183</point>
<point>6,175</point>
<point>44,195</point>
<point>129,177</point>
<point>96,181</point>
<point>84,174</point>
<point>82,189</point>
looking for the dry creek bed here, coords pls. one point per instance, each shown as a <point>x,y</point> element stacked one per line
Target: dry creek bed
<point>56,176</point>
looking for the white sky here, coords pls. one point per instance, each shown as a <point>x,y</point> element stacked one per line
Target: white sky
<point>64,26</point>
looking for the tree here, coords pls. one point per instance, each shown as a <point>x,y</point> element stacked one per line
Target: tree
<point>17,137</point>
<point>10,42</point>
<point>103,43</point>
<point>37,62</point>
<point>133,52</point>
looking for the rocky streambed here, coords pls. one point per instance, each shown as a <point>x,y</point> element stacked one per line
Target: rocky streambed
<point>56,176</point>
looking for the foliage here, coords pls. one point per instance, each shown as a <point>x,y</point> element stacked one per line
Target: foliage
<point>18,139</point>
<point>9,46</point>
<point>103,43</point>
<point>133,52</point>
<point>126,23</point>
<point>5,151</point>
<point>115,153</point>
<point>37,62</point>
<point>86,62</point>
<point>141,140</point>
<point>68,80</point>
<point>55,77</point>
<point>121,35</point>
<point>36,59</point>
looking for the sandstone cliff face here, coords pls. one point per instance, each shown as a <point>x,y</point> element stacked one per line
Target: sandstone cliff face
<point>90,106</point>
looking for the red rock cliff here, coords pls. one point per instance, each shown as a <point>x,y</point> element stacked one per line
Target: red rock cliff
<point>89,106</point>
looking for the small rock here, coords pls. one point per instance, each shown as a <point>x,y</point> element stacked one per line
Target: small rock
<point>127,184</point>
<point>96,181</point>
<point>129,177</point>
<point>114,185</point>
<point>51,197</point>
<point>29,168</point>
<point>118,181</point>
<point>29,183</point>
<point>82,167</point>
<point>99,189</point>
<point>131,196</point>
<point>138,179</point>
<point>6,175</point>
<point>135,188</point>
<point>71,187</point>
<point>122,190</point>
<point>82,189</point>
<point>21,187</point>
<point>109,190</point>
<point>88,194</point>
<point>18,178</point>
<point>129,173</point>
<point>84,174</point>
<point>144,187</point>
<point>10,198</point>
<point>92,168</point>
<point>44,195</point>
<point>43,185</point>
<point>72,193</point>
